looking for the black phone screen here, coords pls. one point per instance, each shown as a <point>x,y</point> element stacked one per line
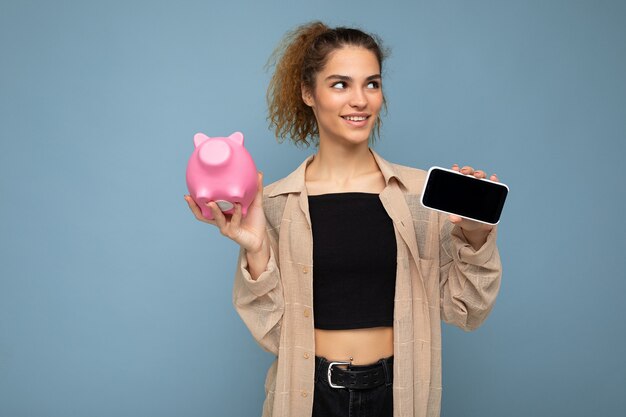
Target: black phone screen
<point>464,195</point>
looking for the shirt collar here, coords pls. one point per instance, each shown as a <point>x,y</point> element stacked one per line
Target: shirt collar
<point>295,182</point>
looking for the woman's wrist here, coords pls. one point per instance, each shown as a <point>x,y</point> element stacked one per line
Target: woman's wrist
<point>477,237</point>
<point>258,260</point>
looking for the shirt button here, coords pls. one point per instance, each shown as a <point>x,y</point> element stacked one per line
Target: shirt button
<point>304,394</point>
<point>305,270</point>
<point>307,312</point>
<point>306,355</point>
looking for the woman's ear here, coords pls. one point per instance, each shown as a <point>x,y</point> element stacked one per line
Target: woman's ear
<point>307,97</point>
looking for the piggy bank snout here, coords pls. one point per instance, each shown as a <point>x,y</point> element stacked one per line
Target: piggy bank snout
<point>214,153</point>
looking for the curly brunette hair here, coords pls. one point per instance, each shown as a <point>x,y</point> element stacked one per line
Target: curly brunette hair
<point>302,54</point>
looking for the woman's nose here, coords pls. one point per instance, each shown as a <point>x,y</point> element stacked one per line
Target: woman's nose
<point>358,99</point>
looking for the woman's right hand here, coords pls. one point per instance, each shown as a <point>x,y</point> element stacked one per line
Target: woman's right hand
<point>248,232</point>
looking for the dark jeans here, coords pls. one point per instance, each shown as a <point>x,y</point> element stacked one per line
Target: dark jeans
<point>344,402</point>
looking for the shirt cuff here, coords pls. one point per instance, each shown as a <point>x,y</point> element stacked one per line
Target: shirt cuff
<point>268,279</point>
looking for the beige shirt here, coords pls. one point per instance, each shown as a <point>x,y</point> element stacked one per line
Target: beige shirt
<point>439,276</point>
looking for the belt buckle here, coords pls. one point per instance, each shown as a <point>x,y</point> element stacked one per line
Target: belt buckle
<point>330,366</point>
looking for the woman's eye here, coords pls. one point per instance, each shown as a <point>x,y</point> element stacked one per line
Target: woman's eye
<point>340,85</point>
<point>373,84</point>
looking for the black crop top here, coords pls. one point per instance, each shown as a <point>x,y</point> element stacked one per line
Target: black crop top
<point>354,261</point>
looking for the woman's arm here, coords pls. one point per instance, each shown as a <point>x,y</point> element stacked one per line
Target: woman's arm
<point>469,278</point>
<point>470,267</point>
<point>257,293</point>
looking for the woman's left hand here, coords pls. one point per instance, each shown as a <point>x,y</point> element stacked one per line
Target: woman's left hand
<point>475,232</point>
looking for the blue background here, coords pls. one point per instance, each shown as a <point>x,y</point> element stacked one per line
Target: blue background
<point>115,301</point>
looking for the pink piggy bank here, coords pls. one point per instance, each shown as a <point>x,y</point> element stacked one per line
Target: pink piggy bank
<point>221,170</point>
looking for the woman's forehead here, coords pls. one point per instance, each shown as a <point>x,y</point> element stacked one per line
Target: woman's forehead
<point>352,61</point>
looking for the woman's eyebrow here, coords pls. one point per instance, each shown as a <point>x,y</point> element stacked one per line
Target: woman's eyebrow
<point>348,78</point>
<point>338,77</point>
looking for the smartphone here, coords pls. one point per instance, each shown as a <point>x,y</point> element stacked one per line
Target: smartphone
<point>473,198</point>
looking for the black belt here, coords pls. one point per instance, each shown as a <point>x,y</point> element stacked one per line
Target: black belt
<point>355,376</point>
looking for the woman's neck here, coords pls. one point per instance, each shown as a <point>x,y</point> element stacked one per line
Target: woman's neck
<point>343,169</point>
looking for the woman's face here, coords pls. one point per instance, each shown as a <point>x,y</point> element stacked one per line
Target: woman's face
<point>347,96</point>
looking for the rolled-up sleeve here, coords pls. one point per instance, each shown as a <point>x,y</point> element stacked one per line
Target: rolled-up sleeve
<point>260,302</point>
<point>469,279</point>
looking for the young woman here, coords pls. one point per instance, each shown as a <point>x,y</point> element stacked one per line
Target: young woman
<point>342,273</point>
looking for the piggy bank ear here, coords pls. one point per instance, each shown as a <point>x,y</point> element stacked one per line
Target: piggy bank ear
<point>199,138</point>
<point>237,137</point>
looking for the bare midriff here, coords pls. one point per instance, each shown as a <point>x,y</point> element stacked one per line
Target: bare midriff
<point>364,346</point>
